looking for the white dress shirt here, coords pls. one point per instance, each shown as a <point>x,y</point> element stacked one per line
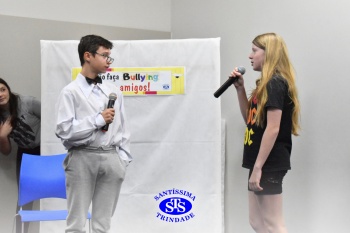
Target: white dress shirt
<point>79,118</point>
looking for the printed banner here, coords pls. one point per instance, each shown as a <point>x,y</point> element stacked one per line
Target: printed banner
<point>175,181</point>
<point>145,80</point>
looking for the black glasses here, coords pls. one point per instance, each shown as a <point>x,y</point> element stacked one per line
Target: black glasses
<point>108,58</point>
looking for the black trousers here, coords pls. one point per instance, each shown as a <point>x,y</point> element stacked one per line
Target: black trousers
<point>29,206</point>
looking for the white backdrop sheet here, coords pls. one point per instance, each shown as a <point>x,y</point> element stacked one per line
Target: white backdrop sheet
<point>177,140</point>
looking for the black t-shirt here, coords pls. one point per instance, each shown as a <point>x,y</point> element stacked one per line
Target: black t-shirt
<point>279,157</point>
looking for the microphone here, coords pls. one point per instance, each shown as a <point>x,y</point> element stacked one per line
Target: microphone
<point>229,82</point>
<point>112,98</point>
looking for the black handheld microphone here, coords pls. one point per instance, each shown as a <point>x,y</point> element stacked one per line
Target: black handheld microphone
<point>229,82</point>
<point>112,98</point>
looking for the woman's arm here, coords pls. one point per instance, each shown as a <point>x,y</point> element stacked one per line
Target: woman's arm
<point>274,116</point>
<point>241,93</point>
<point>5,130</point>
<point>243,101</point>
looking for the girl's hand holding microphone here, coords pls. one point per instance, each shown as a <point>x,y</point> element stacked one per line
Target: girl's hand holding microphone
<point>237,75</point>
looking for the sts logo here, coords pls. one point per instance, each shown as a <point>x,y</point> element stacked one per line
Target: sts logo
<point>175,208</point>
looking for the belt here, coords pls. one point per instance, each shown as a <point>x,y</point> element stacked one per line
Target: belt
<point>100,148</point>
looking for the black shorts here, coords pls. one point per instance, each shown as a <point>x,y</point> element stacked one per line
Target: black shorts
<point>271,182</point>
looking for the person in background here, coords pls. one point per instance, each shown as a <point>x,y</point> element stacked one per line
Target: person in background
<point>96,161</point>
<point>272,116</point>
<point>20,120</point>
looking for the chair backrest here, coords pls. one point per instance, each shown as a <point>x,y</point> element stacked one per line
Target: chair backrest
<point>41,177</point>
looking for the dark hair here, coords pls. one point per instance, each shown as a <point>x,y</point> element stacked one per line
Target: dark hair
<point>91,43</point>
<point>13,104</point>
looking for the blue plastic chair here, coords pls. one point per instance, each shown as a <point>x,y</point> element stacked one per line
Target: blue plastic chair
<point>42,177</point>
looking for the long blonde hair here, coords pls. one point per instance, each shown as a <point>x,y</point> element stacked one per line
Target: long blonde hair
<point>276,62</point>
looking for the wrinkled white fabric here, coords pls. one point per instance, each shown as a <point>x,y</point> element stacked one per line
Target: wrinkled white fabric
<point>176,140</point>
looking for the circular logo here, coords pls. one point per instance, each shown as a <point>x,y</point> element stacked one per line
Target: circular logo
<point>175,206</point>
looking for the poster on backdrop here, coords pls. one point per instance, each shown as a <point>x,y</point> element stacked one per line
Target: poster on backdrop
<point>144,80</point>
<point>175,181</point>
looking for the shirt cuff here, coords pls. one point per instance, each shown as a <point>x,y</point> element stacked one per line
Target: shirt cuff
<point>100,122</point>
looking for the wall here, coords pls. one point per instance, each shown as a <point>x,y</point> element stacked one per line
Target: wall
<point>317,33</point>
<point>146,14</point>
<point>20,67</point>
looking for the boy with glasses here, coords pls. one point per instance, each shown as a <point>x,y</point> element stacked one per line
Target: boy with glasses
<point>97,159</point>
